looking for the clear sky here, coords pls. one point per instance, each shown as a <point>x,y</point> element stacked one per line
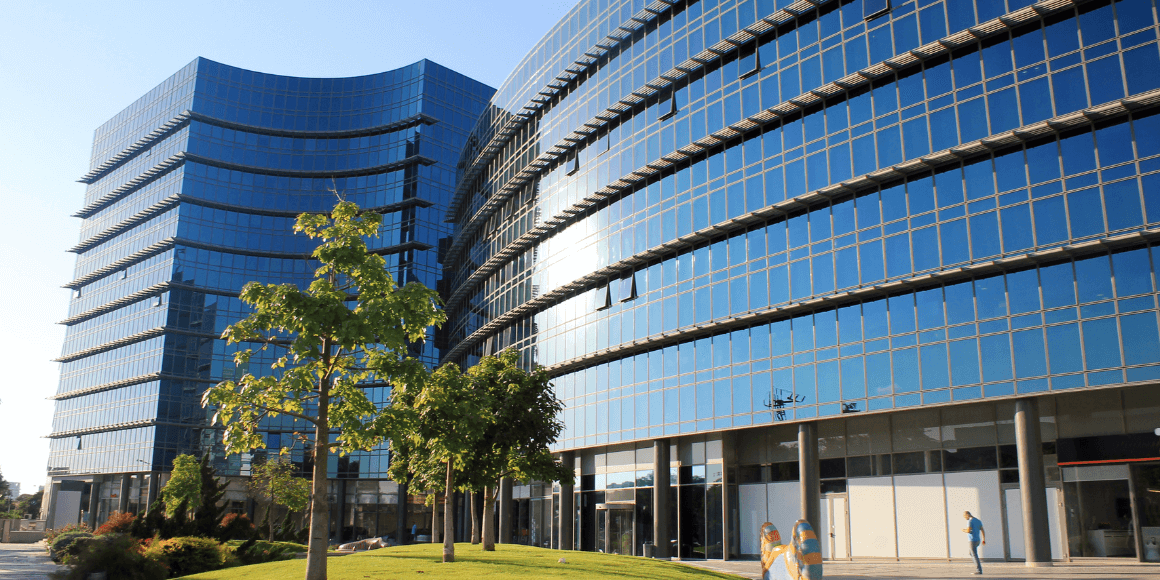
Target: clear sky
<point>67,67</point>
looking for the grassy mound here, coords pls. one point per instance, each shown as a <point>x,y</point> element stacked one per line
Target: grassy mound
<point>508,561</point>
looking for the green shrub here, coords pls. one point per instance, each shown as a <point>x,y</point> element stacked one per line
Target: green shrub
<point>58,550</point>
<point>187,555</point>
<point>256,551</point>
<point>50,535</point>
<point>117,555</point>
<point>236,527</point>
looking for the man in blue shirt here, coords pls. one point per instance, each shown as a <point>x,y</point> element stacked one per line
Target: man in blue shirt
<point>977,537</point>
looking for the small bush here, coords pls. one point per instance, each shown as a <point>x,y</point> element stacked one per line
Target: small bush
<point>236,527</point>
<point>117,555</point>
<point>50,535</point>
<point>60,547</point>
<point>256,551</point>
<point>187,555</point>
<point>118,523</point>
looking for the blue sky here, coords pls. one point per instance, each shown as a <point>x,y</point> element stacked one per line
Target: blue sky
<point>67,67</point>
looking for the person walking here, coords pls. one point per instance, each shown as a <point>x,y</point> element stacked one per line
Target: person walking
<point>977,537</point>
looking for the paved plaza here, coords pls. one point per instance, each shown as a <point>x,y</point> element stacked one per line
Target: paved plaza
<point>25,562</point>
<point>938,570</point>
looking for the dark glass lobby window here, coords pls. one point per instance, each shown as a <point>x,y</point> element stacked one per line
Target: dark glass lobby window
<point>868,465</point>
<point>834,486</point>
<point>831,468</point>
<point>749,474</point>
<point>970,459</point>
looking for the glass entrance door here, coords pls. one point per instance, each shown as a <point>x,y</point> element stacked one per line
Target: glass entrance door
<point>620,528</point>
<point>615,524</point>
<point>1099,518</point>
<point>1148,509</point>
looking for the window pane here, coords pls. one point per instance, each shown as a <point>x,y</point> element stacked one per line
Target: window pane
<point>964,358</point>
<point>1063,346</point>
<point>1101,344</point>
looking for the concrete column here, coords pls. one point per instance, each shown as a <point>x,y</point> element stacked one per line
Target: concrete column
<point>126,489</point>
<point>505,511</point>
<point>403,534</point>
<point>154,488</point>
<point>457,505</point>
<point>808,474</point>
<point>94,503</point>
<point>1029,448</point>
<point>567,504</point>
<point>661,497</point>
<point>341,511</point>
<point>51,494</point>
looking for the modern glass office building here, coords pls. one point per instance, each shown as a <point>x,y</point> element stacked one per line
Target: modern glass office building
<point>192,191</point>
<point>866,262</point>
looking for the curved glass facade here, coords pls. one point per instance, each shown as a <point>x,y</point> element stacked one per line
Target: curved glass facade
<point>907,231</point>
<point>192,192</point>
<point>707,216</point>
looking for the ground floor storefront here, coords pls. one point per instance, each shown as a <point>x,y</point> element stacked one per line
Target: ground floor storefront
<point>1078,470</point>
<point>888,485</point>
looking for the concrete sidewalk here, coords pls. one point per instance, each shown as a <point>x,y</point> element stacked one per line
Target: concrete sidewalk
<point>26,562</point>
<point>938,570</point>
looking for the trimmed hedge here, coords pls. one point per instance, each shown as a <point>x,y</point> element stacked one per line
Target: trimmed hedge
<point>63,545</point>
<point>188,555</point>
<point>117,555</point>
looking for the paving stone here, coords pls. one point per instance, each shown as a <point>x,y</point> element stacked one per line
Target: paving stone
<point>26,562</point>
<point>939,570</point>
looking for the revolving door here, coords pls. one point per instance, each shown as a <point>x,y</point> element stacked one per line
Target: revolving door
<point>615,525</point>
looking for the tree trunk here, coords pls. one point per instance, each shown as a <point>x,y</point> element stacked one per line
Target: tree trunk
<point>270,521</point>
<point>320,507</point>
<point>488,520</point>
<point>448,521</point>
<point>475,499</point>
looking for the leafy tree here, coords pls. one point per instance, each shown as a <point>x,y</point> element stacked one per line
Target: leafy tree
<point>30,503</point>
<point>183,487</point>
<point>520,420</point>
<point>438,424</point>
<point>350,328</point>
<point>275,481</point>
<point>4,499</point>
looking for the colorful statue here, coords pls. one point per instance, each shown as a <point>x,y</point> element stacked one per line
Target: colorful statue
<point>801,559</point>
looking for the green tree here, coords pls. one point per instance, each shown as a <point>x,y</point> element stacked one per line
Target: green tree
<point>350,328</point>
<point>276,482</point>
<point>184,486</point>
<point>439,423</point>
<point>210,510</point>
<point>30,503</point>
<point>5,501</point>
<point>522,422</point>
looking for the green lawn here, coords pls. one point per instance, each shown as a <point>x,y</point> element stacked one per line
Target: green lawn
<point>425,561</point>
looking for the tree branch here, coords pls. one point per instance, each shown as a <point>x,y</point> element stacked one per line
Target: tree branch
<point>287,413</point>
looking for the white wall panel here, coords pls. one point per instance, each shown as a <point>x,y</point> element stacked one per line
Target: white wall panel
<point>1053,523</point>
<point>1016,544</point>
<point>978,493</point>
<point>753,514</point>
<point>872,517</point>
<point>919,505</point>
<point>785,507</point>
